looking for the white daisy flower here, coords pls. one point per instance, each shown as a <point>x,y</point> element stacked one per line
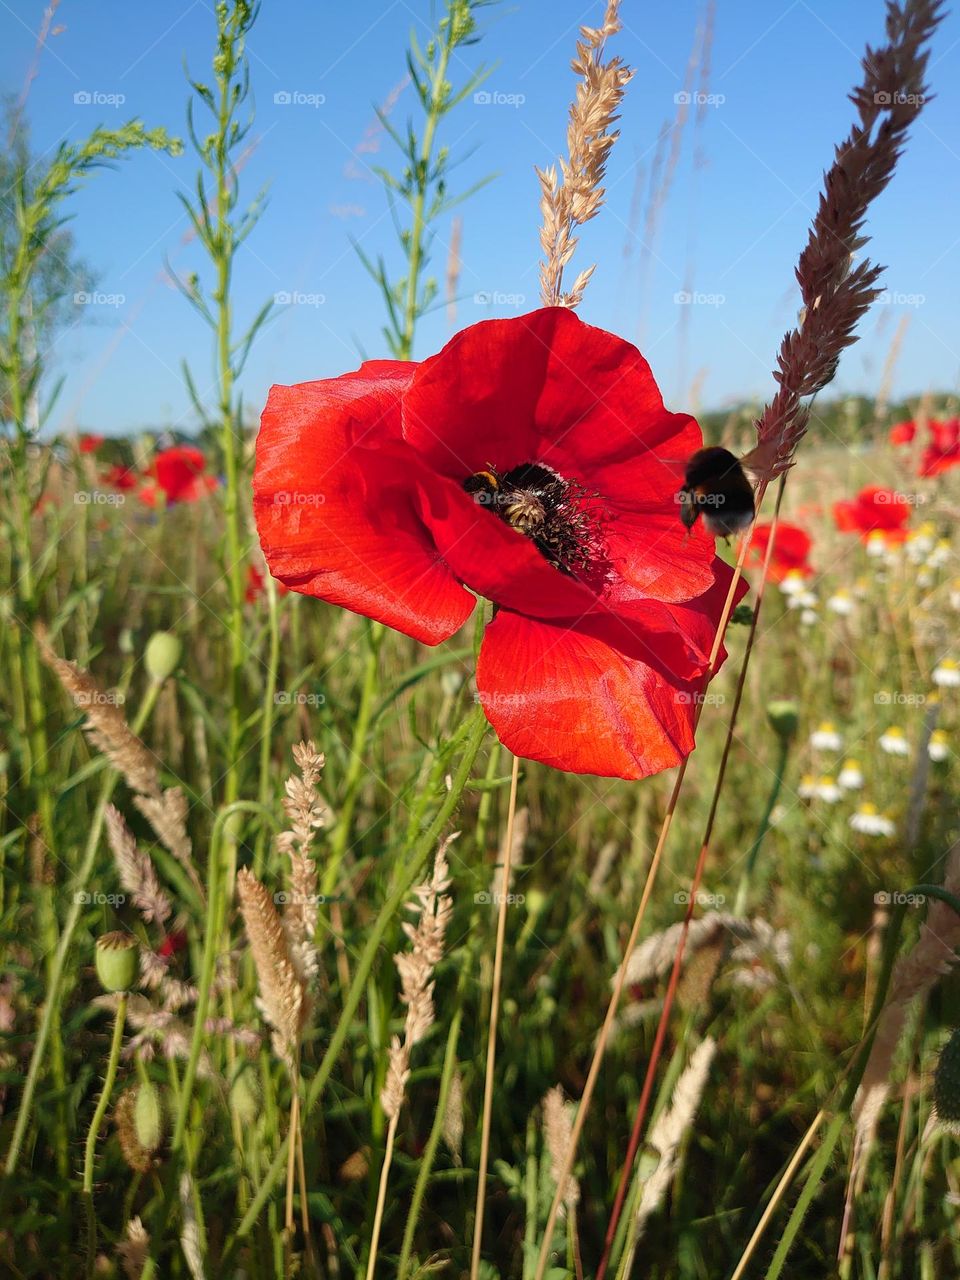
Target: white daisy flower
<point>920,542</point>
<point>876,544</point>
<point>793,583</point>
<point>894,742</point>
<point>947,674</point>
<point>809,618</point>
<point>955,594</point>
<point>828,790</point>
<point>826,738</point>
<point>807,790</point>
<point>841,602</point>
<point>870,822</point>
<point>924,578</point>
<point>850,776</point>
<point>941,554</point>
<point>939,746</point>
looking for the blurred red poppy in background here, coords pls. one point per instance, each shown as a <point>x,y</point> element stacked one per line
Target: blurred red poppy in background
<point>943,451</point>
<point>180,475</point>
<point>526,463</point>
<point>791,548</point>
<point>256,585</point>
<point>903,433</point>
<point>874,508</point>
<point>120,477</point>
<point>90,443</point>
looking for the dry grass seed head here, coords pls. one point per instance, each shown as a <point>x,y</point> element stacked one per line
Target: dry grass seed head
<point>281,999</point>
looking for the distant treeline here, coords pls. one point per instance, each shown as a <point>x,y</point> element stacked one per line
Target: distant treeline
<point>848,420</point>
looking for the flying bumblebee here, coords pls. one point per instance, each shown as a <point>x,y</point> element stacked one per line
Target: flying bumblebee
<point>716,487</point>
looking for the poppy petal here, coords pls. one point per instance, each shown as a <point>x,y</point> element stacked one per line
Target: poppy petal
<point>591,699</point>
<point>543,387</point>
<point>335,498</point>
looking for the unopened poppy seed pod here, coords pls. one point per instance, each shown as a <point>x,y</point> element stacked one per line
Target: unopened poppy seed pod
<point>946,1084</point>
<point>148,1116</point>
<point>784,717</point>
<point>117,957</point>
<point>162,655</point>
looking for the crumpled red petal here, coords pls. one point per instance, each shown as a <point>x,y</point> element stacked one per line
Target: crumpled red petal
<point>600,699</point>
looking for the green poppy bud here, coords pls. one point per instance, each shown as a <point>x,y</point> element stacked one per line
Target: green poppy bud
<point>784,717</point>
<point>148,1116</point>
<point>162,655</point>
<point>117,959</point>
<point>946,1084</point>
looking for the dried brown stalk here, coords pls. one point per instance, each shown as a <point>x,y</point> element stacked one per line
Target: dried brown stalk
<point>164,808</point>
<point>576,196</point>
<point>835,293</point>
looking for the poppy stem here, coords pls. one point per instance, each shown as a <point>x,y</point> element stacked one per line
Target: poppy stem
<point>492,1029</point>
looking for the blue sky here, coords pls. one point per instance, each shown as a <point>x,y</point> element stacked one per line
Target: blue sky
<point>744,190</point>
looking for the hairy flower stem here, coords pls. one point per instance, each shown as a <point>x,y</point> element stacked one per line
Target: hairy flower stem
<point>357,765</point>
<point>230,436</point>
<point>49,1018</point>
<point>743,890</point>
<point>94,1130</point>
<point>437,99</point>
<point>412,868</point>
<point>492,1027</point>
<point>425,1166</point>
<point>265,791</point>
<point>216,903</point>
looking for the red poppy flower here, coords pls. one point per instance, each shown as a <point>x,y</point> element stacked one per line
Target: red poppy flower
<point>256,582</point>
<point>179,473</point>
<point>874,508</point>
<point>527,462</point>
<point>174,941</point>
<point>90,443</point>
<point>903,433</point>
<point>790,550</point>
<point>121,477</point>
<point>943,451</point>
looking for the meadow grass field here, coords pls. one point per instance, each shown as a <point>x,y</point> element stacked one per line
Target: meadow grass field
<point>305,971</point>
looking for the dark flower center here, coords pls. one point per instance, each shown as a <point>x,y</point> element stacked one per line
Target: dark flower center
<point>559,516</point>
